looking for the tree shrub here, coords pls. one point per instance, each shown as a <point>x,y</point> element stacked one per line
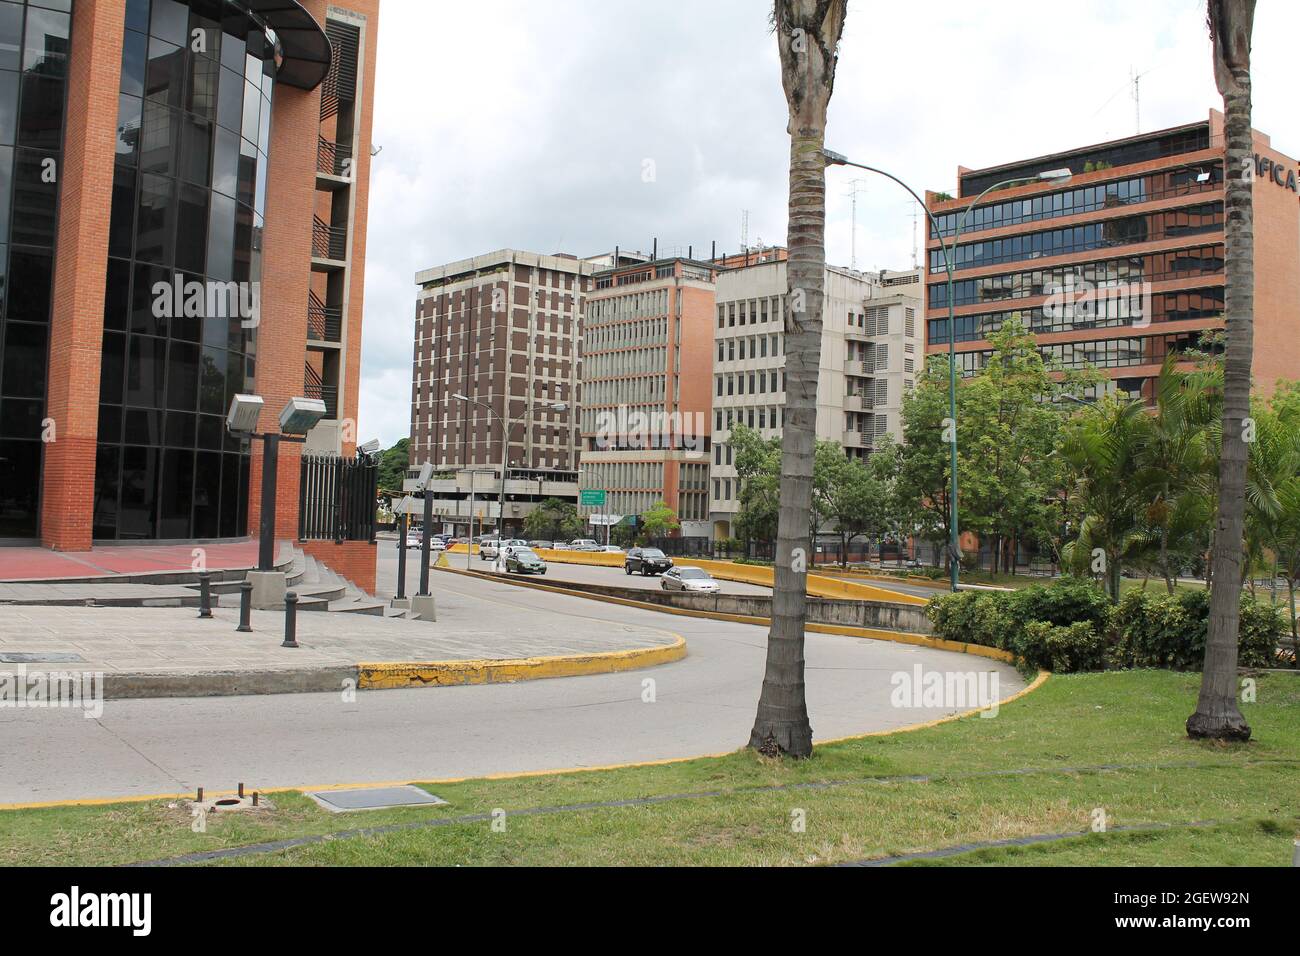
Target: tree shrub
<point>1070,626</point>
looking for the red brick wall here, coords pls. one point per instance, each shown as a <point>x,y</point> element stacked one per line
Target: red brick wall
<point>354,560</point>
<point>77,317</point>
<point>286,274</point>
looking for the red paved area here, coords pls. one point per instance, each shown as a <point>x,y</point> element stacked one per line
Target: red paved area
<point>27,564</point>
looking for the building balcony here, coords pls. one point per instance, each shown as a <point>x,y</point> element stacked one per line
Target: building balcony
<point>324,323</point>
<point>313,386</point>
<point>333,164</point>
<point>855,439</point>
<point>859,403</point>
<point>329,245</point>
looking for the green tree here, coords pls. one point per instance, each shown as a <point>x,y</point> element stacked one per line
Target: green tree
<point>1101,445</point>
<point>858,500</point>
<point>758,472</point>
<point>393,465</point>
<point>554,519</point>
<point>1011,419</point>
<point>923,481</point>
<point>659,520</point>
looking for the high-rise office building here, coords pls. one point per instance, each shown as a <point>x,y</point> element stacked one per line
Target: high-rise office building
<point>184,212</point>
<point>871,353</point>
<point>1123,265</point>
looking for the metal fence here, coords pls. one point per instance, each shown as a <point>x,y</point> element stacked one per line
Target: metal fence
<point>336,499</point>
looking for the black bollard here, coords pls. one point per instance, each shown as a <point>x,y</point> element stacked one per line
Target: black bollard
<point>245,607</point>
<point>205,594</point>
<point>290,619</point>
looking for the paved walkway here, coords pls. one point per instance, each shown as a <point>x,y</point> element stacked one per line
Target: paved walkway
<point>35,563</point>
<point>175,641</point>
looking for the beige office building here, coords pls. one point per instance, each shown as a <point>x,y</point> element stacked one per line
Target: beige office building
<point>872,352</point>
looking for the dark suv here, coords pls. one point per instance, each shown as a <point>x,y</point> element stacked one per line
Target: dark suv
<point>647,561</point>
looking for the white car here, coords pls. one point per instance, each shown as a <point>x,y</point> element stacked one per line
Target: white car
<point>612,549</point>
<point>489,550</point>
<point>585,544</point>
<point>437,544</point>
<point>688,579</point>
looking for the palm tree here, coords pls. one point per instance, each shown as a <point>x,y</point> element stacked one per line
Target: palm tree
<point>1175,463</point>
<point>808,37</point>
<point>1101,447</point>
<point>1217,715</point>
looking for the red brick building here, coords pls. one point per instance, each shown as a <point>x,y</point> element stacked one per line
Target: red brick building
<point>186,221</point>
<point>1133,242</point>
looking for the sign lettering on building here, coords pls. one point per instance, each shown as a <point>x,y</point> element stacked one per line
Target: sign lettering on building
<point>1276,172</point>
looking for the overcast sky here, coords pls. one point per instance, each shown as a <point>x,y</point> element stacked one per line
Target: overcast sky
<point>527,124</point>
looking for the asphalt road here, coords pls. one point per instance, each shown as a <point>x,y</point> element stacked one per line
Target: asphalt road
<point>702,704</point>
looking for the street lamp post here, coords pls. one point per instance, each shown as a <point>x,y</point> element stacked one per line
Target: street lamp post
<point>298,418</point>
<point>506,428</point>
<point>949,249</point>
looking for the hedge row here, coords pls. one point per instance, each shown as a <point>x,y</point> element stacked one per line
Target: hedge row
<point>1070,625</point>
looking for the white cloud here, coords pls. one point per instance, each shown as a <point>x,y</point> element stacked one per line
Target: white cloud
<point>510,123</point>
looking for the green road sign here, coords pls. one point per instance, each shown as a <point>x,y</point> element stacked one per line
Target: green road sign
<point>594,497</point>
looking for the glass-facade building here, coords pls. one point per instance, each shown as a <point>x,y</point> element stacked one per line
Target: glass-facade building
<point>189,194</point>
<point>34,48</point>
<point>131,277</point>
<point>1136,237</point>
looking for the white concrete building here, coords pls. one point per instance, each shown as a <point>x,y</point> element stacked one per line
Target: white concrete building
<point>872,351</point>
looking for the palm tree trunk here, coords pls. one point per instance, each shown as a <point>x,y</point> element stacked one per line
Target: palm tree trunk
<point>1217,715</point>
<point>808,34</point>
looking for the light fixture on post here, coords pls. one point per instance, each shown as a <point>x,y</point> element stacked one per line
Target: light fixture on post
<point>949,249</point>
<point>426,523</point>
<point>298,417</point>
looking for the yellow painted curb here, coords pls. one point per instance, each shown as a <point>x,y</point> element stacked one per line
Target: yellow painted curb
<point>899,637</point>
<point>387,676</point>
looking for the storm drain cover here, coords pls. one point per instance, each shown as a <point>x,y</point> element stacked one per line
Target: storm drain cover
<point>16,658</point>
<point>374,798</point>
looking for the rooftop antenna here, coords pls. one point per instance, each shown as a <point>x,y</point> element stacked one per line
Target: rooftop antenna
<point>1135,78</point>
<point>853,239</point>
<point>744,230</point>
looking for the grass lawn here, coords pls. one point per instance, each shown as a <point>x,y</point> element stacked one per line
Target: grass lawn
<point>1110,742</point>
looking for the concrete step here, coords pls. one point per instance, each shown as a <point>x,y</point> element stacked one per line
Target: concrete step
<point>353,606</point>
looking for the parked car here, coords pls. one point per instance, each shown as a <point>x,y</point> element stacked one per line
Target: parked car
<point>585,544</point>
<point>414,538</point>
<point>488,551</point>
<point>646,561</point>
<point>524,561</point>
<point>687,579</point>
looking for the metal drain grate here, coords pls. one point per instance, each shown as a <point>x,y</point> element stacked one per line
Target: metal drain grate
<point>374,798</point>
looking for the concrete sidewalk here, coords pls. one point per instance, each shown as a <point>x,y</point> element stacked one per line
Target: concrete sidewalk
<point>170,652</point>
<point>36,563</point>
